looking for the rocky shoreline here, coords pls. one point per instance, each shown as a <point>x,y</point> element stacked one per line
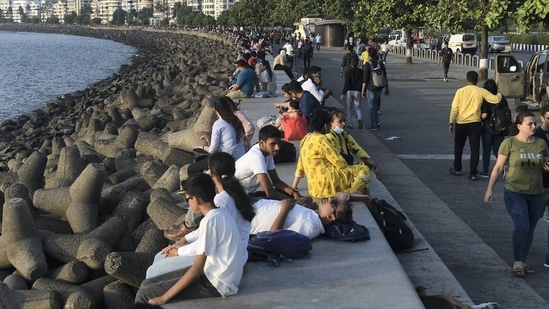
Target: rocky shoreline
<point>88,182</point>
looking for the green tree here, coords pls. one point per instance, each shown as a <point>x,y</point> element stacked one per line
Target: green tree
<point>144,15</point>
<point>370,17</point>
<point>84,18</point>
<point>70,19</point>
<point>52,20</point>
<point>530,13</point>
<point>96,21</point>
<point>119,17</point>
<point>343,10</point>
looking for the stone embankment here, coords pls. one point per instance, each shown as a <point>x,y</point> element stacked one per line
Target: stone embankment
<point>88,182</point>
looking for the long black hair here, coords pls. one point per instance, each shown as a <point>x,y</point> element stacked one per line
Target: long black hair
<point>221,105</point>
<point>268,69</point>
<point>513,130</point>
<point>222,166</point>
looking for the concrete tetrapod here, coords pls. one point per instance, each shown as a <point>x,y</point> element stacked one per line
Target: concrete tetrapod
<point>91,248</point>
<point>24,248</point>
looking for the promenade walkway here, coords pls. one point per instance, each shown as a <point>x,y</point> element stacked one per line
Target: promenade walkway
<point>338,274</point>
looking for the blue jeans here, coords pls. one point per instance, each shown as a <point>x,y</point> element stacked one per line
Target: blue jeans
<point>525,211</point>
<point>373,97</point>
<point>490,144</point>
<point>353,103</point>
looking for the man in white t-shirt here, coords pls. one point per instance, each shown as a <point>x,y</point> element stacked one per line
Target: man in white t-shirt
<point>303,216</point>
<point>256,168</point>
<point>217,269</point>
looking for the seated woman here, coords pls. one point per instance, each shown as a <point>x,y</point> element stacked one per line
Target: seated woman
<point>279,63</point>
<point>267,79</point>
<point>249,128</point>
<point>218,265</point>
<point>227,136</point>
<point>232,197</point>
<point>326,170</point>
<point>346,145</point>
<point>292,123</point>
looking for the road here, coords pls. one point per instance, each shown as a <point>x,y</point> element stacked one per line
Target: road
<point>478,251</point>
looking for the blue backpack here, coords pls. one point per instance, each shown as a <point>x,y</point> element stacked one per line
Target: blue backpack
<point>279,245</point>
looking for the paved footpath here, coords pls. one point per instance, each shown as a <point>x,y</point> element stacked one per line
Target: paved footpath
<point>472,239</point>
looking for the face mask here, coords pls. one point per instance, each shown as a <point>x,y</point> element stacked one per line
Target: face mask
<point>338,130</point>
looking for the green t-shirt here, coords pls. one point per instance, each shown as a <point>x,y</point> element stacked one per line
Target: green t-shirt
<point>525,165</point>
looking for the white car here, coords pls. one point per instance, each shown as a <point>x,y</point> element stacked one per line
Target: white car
<point>498,44</point>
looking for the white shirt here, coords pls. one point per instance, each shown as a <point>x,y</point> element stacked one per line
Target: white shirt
<point>220,242</point>
<point>310,86</point>
<point>289,49</point>
<point>224,139</point>
<point>221,200</point>
<point>271,82</point>
<point>300,219</point>
<point>251,164</point>
<point>318,39</point>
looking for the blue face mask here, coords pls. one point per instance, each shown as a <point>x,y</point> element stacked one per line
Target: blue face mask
<point>338,130</point>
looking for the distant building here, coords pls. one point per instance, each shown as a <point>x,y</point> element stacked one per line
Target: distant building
<point>105,9</point>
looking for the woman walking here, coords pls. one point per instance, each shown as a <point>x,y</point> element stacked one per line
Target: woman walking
<point>527,157</point>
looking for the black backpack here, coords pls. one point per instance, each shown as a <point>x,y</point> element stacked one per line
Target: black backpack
<point>500,119</point>
<point>392,224</point>
<point>351,231</point>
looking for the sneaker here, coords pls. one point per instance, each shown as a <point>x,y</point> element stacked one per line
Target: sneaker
<point>445,79</point>
<point>546,264</point>
<point>454,172</point>
<point>473,178</point>
<point>483,175</point>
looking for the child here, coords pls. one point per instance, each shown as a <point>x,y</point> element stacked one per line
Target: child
<point>292,123</point>
<point>218,265</point>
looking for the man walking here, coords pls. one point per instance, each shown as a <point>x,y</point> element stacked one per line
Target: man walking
<point>372,92</point>
<point>346,60</point>
<point>445,55</point>
<point>465,122</point>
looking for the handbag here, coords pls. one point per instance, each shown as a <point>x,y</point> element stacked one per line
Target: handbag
<point>348,158</point>
<point>200,154</point>
<point>295,128</point>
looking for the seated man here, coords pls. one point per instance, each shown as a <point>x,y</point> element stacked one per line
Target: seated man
<point>312,82</point>
<point>256,167</point>
<point>217,270</point>
<point>307,102</point>
<point>245,82</point>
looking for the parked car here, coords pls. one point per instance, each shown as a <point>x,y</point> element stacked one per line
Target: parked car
<point>529,84</point>
<point>498,43</point>
<point>466,43</point>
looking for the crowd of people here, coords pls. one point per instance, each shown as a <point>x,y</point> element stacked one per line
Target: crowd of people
<point>522,156</point>
<point>233,188</point>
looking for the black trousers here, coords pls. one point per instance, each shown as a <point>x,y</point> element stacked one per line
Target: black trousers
<point>156,286</point>
<point>472,131</point>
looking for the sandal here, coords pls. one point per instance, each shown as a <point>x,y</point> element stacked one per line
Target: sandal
<point>518,272</point>
<point>176,232</point>
<point>529,270</point>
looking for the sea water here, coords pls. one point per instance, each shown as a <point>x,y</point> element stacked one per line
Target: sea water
<point>36,68</point>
